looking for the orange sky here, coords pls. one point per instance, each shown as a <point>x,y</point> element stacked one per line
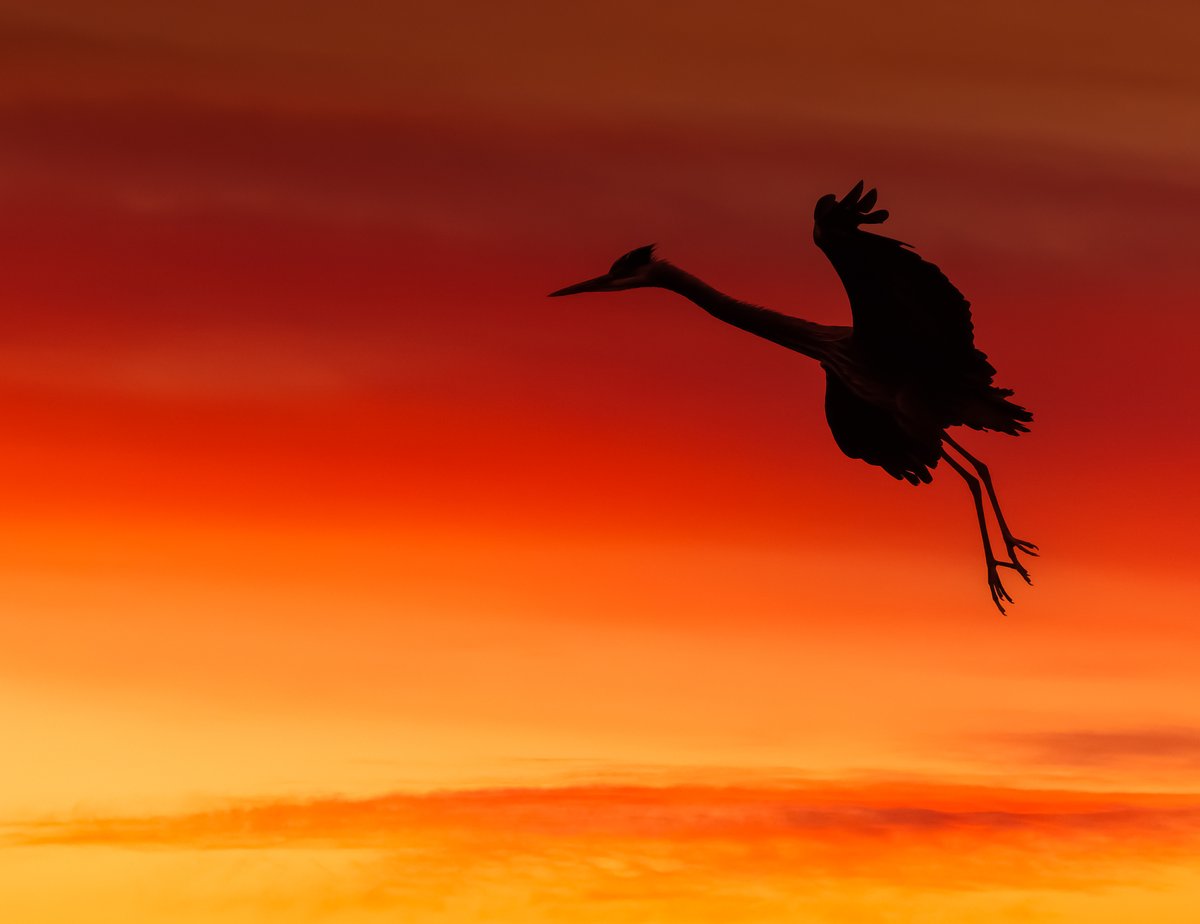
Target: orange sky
<point>315,503</point>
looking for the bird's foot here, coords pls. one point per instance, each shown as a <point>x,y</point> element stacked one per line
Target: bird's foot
<point>1015,545</point>
<point>1000,596</point>
<point>1017,567</point>
<point>1019,545</point>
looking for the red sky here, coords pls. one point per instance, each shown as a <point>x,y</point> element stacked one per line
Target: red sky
<point>311,492</point>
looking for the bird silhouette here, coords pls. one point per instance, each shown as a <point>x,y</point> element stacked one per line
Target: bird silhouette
<point>899,378</point>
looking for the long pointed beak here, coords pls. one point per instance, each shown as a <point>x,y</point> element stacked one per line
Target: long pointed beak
<point>599,284</point>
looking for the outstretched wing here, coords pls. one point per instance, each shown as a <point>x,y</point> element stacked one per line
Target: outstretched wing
<point>909,320</point>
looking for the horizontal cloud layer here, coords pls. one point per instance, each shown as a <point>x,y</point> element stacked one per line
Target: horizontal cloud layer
<point>948,836</point>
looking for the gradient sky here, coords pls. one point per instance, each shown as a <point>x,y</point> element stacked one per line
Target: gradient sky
<point>346,577</point>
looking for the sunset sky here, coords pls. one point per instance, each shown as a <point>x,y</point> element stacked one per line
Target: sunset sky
<point>346,577</point>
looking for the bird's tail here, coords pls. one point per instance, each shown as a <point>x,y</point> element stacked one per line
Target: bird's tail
<point>993,411</point>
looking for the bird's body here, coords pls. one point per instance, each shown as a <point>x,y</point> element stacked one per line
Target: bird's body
<point>899,378</point>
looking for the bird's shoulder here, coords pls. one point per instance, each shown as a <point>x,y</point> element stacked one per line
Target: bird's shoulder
<point>904,307</point>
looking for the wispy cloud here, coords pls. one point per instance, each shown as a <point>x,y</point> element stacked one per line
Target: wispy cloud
<point>944,836</point>
<point>1164,748</point>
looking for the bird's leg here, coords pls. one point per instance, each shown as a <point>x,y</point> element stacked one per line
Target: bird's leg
<point>1012,543</point>
<point>999,594</point>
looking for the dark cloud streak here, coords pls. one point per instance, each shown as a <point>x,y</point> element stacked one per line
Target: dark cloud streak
<point>1161,747</point>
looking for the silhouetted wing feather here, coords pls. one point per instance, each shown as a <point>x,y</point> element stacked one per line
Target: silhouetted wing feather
<point>908,317</point>
<point>864,431</point>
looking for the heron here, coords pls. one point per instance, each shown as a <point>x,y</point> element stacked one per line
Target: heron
<point>898,379</point>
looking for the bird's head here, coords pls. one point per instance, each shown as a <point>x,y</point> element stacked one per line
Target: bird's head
<point>630,271</point>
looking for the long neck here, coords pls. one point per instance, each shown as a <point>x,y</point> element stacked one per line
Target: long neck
<point>805,337</point>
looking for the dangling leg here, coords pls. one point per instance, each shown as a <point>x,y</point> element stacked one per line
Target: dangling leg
<point>1010,542</point>
<point>994,585</point>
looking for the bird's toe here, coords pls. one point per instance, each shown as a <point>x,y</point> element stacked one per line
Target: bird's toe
<point>1024,546</point>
